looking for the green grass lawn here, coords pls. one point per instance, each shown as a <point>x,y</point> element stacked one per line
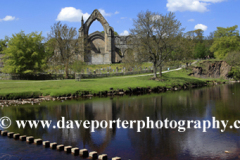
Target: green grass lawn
<point>120,66</point>
<point>11,89</point>
<point>94,67</point>
<point>114,66</point>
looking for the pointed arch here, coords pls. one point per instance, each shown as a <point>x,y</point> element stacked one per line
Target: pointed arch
<point>107,56</point>
<point>96,15</point>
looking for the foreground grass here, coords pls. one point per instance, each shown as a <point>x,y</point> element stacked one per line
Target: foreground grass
<point>23,89</point>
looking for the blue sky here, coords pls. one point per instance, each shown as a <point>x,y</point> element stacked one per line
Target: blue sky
<point>39,16</point>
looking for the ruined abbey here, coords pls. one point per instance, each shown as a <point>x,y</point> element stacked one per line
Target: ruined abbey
<point>105,48</point>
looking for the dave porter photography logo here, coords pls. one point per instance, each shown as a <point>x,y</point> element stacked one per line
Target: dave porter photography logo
<point>5,122</point>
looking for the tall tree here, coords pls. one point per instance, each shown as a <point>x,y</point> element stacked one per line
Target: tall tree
<point>226,40</point>
<point>65,41</point>
<point>78,66</point>
<point>184,52</point>
<point>185,49</point>
<point>233,59</point>
<point>3,44</point>
<point>155,36</point>
<point>200,50</point>
<point>129,59</point>
<point>198,34</point>
<point>24,54</point>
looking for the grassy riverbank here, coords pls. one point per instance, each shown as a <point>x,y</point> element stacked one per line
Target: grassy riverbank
<point>23,89</point>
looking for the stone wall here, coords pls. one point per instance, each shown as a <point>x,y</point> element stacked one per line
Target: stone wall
<point>86,76</point>
<point>99,58</point>
<point>5,76</point>
<point>105,46</point>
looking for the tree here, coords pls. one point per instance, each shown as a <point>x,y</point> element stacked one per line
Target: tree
<point>210,36</point>
<point>155,37</point>
<point>129,60</point>
<point>78,65</point>
<point>208,43</point>
<point>225,40</point>
<point>185,50</point>
<point>200,50</point>
<point>66,45</point>
<point>199,34</point>
<point>195,35</point>
<point>233,59</point>
<point>3,44</point>
<point>51,65</point>
<point>24,54</point>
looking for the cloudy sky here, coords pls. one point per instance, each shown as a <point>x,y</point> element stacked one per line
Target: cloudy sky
<point>39,16</point>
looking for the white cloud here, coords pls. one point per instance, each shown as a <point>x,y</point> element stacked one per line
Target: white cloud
<point>186,5</point>
<point>191,20</point>
<point>213,1</point>
<point>201,26</point>
<point>71,14</point>
<point>116,12</point>
<point>102,11</point>
<point>8,18</point>
<point>190,5</point>
<point>124,33</point>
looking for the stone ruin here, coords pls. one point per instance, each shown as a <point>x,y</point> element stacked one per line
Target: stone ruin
<point>102,48</point>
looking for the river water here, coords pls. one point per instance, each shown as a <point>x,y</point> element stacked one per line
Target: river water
<point>222,102</point>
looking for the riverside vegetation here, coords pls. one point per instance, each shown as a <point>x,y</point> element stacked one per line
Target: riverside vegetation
<point>175,80</point>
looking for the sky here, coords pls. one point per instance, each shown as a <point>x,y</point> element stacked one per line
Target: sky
<point>31,16</point>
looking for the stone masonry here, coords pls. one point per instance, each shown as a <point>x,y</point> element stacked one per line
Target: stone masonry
<point>105,48</point>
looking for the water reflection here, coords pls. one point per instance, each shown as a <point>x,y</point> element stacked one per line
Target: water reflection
<point>200,104</point>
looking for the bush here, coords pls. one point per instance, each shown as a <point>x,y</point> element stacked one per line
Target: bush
<point>235,73</point>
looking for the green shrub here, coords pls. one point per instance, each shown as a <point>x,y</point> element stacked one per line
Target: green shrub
<point>235,73</point>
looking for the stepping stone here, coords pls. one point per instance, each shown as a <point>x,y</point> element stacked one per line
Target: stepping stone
<point>53,145</point>
<point>75,151</point>
<point>16,136</point>
<point>30,139</point>
<point>23,138</point>
<point>60,147</point>
<point>46,144</point>
<point>10,134</point>
<point>103,157</point>
<point>93,155</point>
<point>83,152</point>
<point>4,133</point>
<point>38,141</point>
<point>68,149</point>
<point>116,158</point>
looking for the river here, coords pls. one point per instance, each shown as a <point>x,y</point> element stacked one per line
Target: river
<point>221,102</point>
